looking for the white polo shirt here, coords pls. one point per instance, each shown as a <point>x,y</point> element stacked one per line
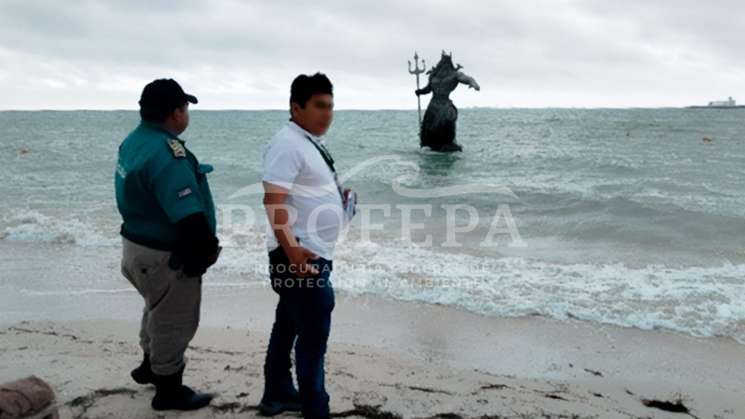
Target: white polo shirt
<point>293,163</point>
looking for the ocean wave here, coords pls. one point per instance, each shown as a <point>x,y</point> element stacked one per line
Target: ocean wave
<point>35,227</point>
<point>701,301</point>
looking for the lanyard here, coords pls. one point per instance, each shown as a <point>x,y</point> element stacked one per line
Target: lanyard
<point>324,153</point>
<point>329,162</point>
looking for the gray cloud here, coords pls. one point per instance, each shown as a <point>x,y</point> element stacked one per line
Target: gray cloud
<point>243,54</point>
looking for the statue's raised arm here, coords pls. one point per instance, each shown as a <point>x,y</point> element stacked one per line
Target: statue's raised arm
<point>468,81</point>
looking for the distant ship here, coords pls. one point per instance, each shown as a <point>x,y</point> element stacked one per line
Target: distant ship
<point>720,104</point>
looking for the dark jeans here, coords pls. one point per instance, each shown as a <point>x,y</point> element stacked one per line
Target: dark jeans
<point>303,312</point>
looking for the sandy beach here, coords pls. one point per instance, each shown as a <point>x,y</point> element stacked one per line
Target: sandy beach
<point>392,359</point>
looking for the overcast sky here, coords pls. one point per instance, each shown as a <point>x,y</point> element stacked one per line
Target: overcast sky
<point>243,54</point>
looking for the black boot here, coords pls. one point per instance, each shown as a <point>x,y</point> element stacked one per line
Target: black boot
<point>143,374</point>
<point>171,394</point>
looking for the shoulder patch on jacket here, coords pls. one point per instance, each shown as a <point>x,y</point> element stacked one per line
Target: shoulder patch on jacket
<point>177,148</point>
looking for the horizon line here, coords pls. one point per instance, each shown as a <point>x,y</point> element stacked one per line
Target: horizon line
<point>355,109</point>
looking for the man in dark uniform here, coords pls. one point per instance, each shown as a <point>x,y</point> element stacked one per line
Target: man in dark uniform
<point>169,238</point>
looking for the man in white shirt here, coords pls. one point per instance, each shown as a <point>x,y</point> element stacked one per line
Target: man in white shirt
<point>305,210</point>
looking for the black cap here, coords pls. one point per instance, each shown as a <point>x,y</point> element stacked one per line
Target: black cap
<point>162,96</point>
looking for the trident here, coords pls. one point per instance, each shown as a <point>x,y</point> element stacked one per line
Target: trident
<point>417,71</point>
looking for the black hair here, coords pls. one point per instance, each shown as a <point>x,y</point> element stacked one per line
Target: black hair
<point>304,86</point>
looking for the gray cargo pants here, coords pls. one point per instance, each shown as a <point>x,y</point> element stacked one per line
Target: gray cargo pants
<point>172,302</point>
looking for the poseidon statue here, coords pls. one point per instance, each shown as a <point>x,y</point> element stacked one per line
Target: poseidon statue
<point>438,127</point>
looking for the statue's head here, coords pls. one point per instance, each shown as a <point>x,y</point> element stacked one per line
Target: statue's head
<point>445,64</point>
<point>446,60</point>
